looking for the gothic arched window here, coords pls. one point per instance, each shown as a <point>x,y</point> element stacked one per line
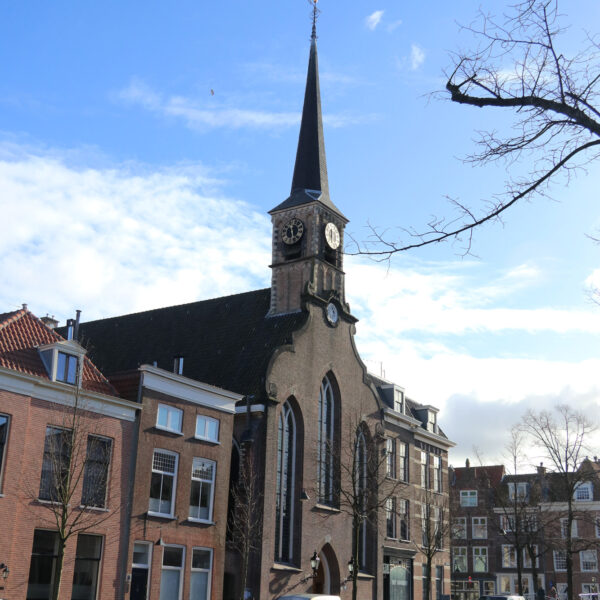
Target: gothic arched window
<point>360,492</point>
<point>286,467</point>
<point>326,449</point>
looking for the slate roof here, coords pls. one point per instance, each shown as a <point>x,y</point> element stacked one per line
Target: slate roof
<point>310,168</point>
<point>492,473</point>
<point>21,333</point>
<point>226,342</point>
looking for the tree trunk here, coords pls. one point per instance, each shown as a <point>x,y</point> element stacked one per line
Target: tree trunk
<point>60,558</point>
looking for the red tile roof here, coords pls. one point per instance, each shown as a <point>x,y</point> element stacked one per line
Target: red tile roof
<point>21,333</point>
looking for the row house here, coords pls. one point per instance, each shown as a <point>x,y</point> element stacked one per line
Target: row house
<point>501,520</point>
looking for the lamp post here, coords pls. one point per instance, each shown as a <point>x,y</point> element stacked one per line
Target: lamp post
<point>314,563</point>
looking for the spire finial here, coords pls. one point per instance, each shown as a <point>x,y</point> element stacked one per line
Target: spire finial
<point>314,19</point>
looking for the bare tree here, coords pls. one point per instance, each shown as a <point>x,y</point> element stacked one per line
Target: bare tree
<point>435,529</point>
<point>75,474</point>
<point>244,523</point>
<point>563,436</point>
<point>553,96</point>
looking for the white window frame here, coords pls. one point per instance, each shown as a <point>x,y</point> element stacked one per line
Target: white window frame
<point>425,470</point>
<point>527,558</point>
<point>459,528</point>
<point>171,411</point>
<point>437,474</point>
<point>174,489</point>
<point>4,451</point>
<point>107,481</point>
<point>522,488</point>
<point>479,522</point>
<point>563,528</point>
<point>68,359</point>
<point>586,562</point>
<point>467,497</point>
<point>597,527</point>
<point>212,488</point>
<point>196,570</point>
<point>181,569</point>
<point>431,421</point>
<point>586,489</point>
<point>509,557</point>
<point>480,552</point>
<point>148,566</point>
<point>403,453</point>
<point>204,435</point>
<point>589,588</point>
<point>460,552</point>
<point>507,523</point>
<point>559,556</point>
<point>390,511</point>
<point>390,459</point>
<point>399,401</point>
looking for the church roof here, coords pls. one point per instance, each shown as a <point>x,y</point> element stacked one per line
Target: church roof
<point>310,183</point>
<point>226,342</point>
<point>21,333</point>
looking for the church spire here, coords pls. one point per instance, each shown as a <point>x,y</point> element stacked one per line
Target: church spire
<point>309,182</point>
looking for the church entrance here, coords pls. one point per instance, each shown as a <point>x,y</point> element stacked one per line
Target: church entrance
<point>327,580</point>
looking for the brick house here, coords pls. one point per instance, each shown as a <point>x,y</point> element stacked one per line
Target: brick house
<point>485,501</point>
<point>40,374</point>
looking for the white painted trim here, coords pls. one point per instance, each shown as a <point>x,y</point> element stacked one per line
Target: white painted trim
<point>400,419</point>
<point>184,388</point>
<point>240,410</point>
<point>432,438</point>
<point>64,394</point>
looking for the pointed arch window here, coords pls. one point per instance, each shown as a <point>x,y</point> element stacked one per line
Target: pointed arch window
<point>286,473</point>
<point>326,443</point>
<point>360,483</point>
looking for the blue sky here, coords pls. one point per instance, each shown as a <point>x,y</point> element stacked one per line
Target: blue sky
<point>141,145</point>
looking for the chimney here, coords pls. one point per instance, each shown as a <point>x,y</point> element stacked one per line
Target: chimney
<point>70,328</point>
<point>467,463</point>
<point>178,365</point>
<point>76,331</point>
<point>49,321</point>
<point>541,470</point>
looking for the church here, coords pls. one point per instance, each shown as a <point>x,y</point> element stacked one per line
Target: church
<point>308,422</point>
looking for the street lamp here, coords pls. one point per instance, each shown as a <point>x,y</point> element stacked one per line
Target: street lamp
<point>314,563</point>
<point>5,571</point>
<point>350,566</point>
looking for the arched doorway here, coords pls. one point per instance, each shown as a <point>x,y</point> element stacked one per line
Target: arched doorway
<point>327,580</point>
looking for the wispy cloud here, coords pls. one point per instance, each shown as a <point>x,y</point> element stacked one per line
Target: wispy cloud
<point>202,116</point>
<point>417,57</point>
<point>393,25</point>
<point>373,20</point>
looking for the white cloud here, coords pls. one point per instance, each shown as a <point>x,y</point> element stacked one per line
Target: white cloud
<point>417,57</point>
<point>394,25</point>
<point>201,116</point>
<point>373,20</point>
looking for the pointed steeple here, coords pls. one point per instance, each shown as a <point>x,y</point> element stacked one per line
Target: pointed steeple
<point>309,182</point>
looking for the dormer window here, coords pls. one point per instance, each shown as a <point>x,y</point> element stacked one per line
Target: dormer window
<point>431,421</point>
<point>63,361</point>
<point>583,492</point>
<point>66,368</point>
<point>398,401</point>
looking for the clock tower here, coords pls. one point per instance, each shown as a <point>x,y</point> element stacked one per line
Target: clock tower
<point>308,229</point>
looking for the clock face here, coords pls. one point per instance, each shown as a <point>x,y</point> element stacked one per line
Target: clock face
<point>292,231</point>
<point>332,236</point>
<point>332,313</point>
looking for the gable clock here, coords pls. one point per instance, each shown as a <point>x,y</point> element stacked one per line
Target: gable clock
<point>332,236</point>
<point>292,231</point>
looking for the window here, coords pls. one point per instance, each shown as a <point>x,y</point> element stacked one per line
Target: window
<point>527,557</point>
<point>479,528</point>
<point>201,573</point>
<point>390,458</point>
<point>560,560</point>
<point>87,566</point>
<point>55,465</point>
<point>431,421</point>
<point>140,570</point>
<point>42,569</point>
<point>459,560</point>
<point>207,428</point>
<point>468,497</point>
<point>403,462</point>
<point>163,482</point>
<point>95,471</point>
<point>589,560</point>
<point>489,587</point>
<point>169,418</point>
<point>66,368</point>
<point>360,479</point>
<point>480,559</point>
<point>286,477</point>
<point>424,469</point>
<point>436,522</point>
<point>459,528</point>
<point>3,439</point>
<point>202,490</point>
<point>564,528</point>
<point>390,517</point>
<point>589,588</point>
<point>509,557</point>
<point>398,401</point>
<point>439,582</point>
<point>431,525</point>
<point>404,520</point>
<point>597,527</point>
<point>522,489</point>
<point>437,474</point>
<point>584,492</point>
<point>326,443</point>
<point>172,571</point>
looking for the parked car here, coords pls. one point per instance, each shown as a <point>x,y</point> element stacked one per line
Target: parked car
<point>501,597</point>
<point>309,597</point>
